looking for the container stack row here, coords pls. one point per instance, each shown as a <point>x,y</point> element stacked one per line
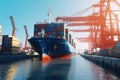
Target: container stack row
<point>10,44</point>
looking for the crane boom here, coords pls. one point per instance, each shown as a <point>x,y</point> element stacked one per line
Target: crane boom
<point>26,36</point>
<point>13,25</point>
<point>78,19</point>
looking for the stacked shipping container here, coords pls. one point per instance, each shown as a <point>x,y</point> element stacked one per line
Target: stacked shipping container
<point>66,34</point>
<point>49,30</point>
<point>70,37</point>
<point>10,44</point>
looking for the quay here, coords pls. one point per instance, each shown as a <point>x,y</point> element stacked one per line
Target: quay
<point>106,62</point>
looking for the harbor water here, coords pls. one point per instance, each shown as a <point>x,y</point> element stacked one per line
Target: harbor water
<point>72,68</point>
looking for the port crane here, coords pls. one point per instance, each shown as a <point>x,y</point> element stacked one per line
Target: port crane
<point>13,25</point>
<point>27,47</point>
<point>103,24</point>
<point>26,40</point>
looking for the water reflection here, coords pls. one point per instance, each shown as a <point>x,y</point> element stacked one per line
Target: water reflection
<point>11,72</point>
<point>24,68</point>
<point>8,72</point>
<point>15,71</point>
<point>82,69</point>
<point>72,68</point>
<point>56,69</point>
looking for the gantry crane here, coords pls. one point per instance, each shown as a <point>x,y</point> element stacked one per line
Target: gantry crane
<point>101,24</point>
<point>13,25</point>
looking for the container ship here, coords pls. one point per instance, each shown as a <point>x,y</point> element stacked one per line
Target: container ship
<point>51,39</point>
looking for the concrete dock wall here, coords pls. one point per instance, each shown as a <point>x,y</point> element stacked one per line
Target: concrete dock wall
<point>107,62</point>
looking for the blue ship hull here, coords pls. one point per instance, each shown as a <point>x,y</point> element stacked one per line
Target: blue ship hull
<point>54,47</point>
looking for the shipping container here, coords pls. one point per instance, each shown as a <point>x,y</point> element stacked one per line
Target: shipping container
<point>10,44</point>
<point>66,34</point>
<point>49,30</point>
<point>74,45</point>
<point>70,41</point>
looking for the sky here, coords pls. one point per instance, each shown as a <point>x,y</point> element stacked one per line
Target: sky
<point>29,12</point>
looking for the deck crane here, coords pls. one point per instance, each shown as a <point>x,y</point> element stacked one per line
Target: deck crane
<point>13,25</point>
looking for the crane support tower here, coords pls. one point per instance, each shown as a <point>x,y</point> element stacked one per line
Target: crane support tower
<point>103,23</point>
<point>13,25</point>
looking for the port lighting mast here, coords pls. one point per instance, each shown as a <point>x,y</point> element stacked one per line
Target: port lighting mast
<point>13,25</point>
